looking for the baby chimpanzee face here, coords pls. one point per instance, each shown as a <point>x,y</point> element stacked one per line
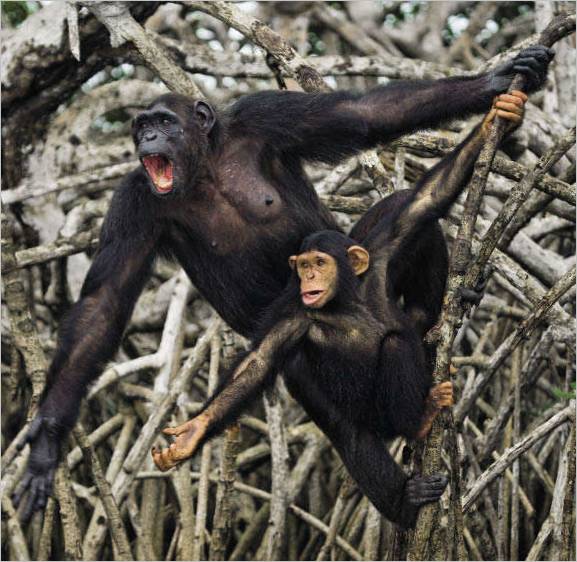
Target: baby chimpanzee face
<point>318,273</point>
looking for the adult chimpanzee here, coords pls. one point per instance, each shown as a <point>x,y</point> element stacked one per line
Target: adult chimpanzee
<point>228,198</point>
<point>359,370</point>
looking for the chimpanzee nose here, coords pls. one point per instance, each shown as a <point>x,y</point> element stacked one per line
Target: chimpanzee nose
<point>150,135</point>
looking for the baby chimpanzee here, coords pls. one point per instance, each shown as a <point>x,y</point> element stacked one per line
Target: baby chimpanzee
<point>348,352</point>
<point>322,329</point>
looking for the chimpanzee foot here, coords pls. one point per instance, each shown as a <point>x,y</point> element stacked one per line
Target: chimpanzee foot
<point>188,437</point>
<point>421,490</point>
<point>441,395</point>
<point>475,295</point>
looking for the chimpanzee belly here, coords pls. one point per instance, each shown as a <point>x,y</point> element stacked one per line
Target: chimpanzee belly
<point>336,390</point>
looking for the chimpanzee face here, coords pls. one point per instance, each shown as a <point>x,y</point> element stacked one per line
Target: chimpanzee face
<point>172,148</point>
<point>319,273</point>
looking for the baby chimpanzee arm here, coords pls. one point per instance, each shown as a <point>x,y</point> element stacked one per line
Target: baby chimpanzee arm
<point>253,374</point>
<point>439,187</point>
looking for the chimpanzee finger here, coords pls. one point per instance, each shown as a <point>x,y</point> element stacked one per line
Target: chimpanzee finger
<point>434,484</point>
<point>437,479</point>
<point>509,116</point>
<point>50,481</point>
<point>510,107</point>
<point>510,98</point>
<point>30,502</point>
<point>31,434</point>
<point>538,51</point>
<point>527,70</point>
<point>542,50</point>
<point>172,431</point>
<point>530,61</point>
<point>159,460</point>
<point>165,460</point>
<point>430,498</point>
<point>518,94</point>
<point>41,495</point>
<point>21,489</point>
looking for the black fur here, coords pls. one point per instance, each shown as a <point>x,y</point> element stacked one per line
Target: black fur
<point>241,204</point>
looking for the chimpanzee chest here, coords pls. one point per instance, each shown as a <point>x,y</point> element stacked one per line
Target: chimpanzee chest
<point>351,339</point>
<point>242,184</point>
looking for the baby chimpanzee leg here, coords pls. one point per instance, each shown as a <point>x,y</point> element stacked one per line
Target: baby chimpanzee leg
<point>378,476</point>
<point>364,453</point>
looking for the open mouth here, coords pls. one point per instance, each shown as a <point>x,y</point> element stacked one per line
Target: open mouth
<point>159,168</point>
<point>311,297</point>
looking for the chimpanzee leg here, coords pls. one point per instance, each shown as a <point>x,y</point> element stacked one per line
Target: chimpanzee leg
<point>423,286</point>
<point>424,282</point>
<point>378,476</point>
<point>364,453</point>
<point>404,384</point>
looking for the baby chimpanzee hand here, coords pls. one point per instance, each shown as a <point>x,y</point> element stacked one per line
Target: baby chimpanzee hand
<point>532,63</point>
<point>44,439</point>
<point>188,437</point>
<point>510,107</point>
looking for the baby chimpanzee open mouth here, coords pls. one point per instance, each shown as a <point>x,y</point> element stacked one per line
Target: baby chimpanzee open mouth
<point>310,297</point>
<point>159,169</point>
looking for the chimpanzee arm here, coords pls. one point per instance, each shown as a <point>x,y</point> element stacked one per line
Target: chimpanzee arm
<point>251,376</point>
<point>438,189</point>
<point>88,337</point>
<point>332,126</point>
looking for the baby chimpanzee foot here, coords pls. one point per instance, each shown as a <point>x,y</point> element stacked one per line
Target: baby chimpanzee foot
<point>474,296</point>
<point>421,490</point>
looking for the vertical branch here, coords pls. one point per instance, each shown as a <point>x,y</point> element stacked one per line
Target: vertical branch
<point>18,546</point>
<point>22,327</point>
<point>335,520</point>
<point>400,155</point>
<point>45,543</point>
<point>373,533</point>
<point>68,515</point>
<point>115,524</point>
<point>279,475</point>
<point>567,550</point>
<point>223,516</point>
<point>203,485</point>
<point>516,384</point>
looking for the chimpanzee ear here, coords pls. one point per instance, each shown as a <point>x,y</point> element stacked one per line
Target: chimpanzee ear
<point>358,258</point>
<point>293,262</point>
<point>204,114</point>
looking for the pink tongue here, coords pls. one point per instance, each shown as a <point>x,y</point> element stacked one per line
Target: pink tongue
<point>161,171</point>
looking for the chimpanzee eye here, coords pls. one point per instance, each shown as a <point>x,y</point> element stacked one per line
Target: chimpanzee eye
<point>320,262</point>
<point>166,121</point>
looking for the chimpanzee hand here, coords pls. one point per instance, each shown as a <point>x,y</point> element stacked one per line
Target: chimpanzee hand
<point>188,437</point>
<point>44,439</point>
<point>425,489</point>
<point>531,63</point>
